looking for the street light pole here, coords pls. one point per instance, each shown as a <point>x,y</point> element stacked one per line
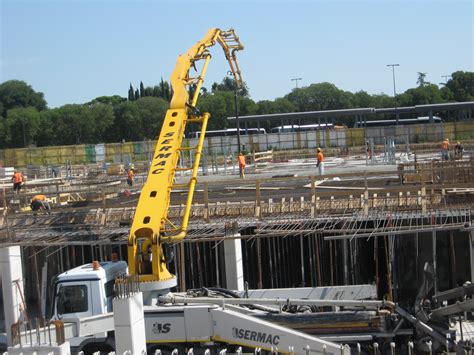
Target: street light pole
<point>394,90</point>
<point>393,73</point>
<point>236,106</point>
<point>237,118</point>
<point>296,82</point>
<point>445,78</point>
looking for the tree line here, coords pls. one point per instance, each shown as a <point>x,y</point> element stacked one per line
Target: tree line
<point>25,118</point>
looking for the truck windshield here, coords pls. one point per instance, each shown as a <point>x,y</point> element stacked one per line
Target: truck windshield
<point>72,299</point>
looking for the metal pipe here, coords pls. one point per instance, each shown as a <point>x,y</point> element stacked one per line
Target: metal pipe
<point>421,325</point>
<point>458,307</point>
<point>277,301</point>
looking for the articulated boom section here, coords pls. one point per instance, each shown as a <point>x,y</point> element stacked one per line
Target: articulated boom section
<point>150,223</point>
<point>194,324</point>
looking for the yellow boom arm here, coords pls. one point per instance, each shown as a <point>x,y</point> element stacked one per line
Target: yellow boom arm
<point>150,222</point>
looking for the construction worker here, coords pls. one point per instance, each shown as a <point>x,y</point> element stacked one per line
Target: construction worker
<point>458,150</point>
<point>445,149</point>
<point>17,180</point>
<point>39,202</point>
<point>320,161</point>
<point>241,159</point>
<point>130,176</point>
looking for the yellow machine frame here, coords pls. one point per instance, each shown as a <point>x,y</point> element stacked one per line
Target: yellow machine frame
<point>151,223</point>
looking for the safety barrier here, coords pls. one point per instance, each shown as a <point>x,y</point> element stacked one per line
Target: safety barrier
<point>260,157</point>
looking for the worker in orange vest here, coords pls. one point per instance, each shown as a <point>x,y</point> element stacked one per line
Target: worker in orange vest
<point>17,180</point>
<point>445,149</point>
<point>241,158</point>
<point>39,202</point>
<point>130,176</point>
<point>320,161</point>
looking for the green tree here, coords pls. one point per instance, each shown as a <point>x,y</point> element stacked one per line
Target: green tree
<point>21,127</point>
<point>165,90</point>
<point>383,100</point>
<point>362,99</point>
<point>322,96</point>
<point>142,89</point>
<point>220,105</point>
<point>81,124</point>
<point>102,119</point>
<point>423,95</point>
<point>461,86</point>
<point>152,111</point>
<point>127,124</point>
<point>45,135</point>
<point>16,93</point>
<point>421,79</point>
<point>72,124</point>
<point>148,91</point>
<point>229,84</point>
<point>108,100</point>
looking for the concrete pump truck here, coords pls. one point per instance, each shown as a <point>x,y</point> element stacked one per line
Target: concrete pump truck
<point>83,295</point>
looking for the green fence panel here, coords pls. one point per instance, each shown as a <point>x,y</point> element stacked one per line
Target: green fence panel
<point>139,151</point>
<point>90,153</point>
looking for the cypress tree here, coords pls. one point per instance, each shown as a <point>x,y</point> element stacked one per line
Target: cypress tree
<point>165,90</point>
<point>142,89</point>
<point>137,94</point>
<point>131,95</point>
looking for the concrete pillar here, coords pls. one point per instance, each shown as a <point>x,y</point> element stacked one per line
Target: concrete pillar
<point>12,286</point>
<point>129,322</point>
<point>234,272</point>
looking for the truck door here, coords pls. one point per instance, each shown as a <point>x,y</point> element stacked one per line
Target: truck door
<point>73,300</point>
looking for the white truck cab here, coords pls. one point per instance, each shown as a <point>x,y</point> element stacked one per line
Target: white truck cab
<point>86,290</point>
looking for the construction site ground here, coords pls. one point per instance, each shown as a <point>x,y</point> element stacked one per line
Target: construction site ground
<point>356,198</point>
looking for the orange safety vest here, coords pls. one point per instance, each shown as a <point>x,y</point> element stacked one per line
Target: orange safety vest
<point>445,145</point>
<point>130,174</point>
<point>320,157</point>
<point>17,178</point>
<point>241,160</point>
<point>38,198</point>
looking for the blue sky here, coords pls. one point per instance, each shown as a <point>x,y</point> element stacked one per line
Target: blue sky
<point>74,51</point>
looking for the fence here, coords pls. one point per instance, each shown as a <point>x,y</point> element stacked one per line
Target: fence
<point>142,151</point>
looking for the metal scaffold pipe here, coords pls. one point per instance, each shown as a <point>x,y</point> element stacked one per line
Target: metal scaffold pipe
<point>277,301</point>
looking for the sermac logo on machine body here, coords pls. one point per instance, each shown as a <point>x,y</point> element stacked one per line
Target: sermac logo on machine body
<point>252,335</point>
<point>158,166</point>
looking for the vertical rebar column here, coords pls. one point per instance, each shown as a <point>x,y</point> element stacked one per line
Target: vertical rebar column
<point>259,263</point>
<point>302,261</point>
<point>433,241</point>
<point>345,257</point>
<point>471,252</point>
